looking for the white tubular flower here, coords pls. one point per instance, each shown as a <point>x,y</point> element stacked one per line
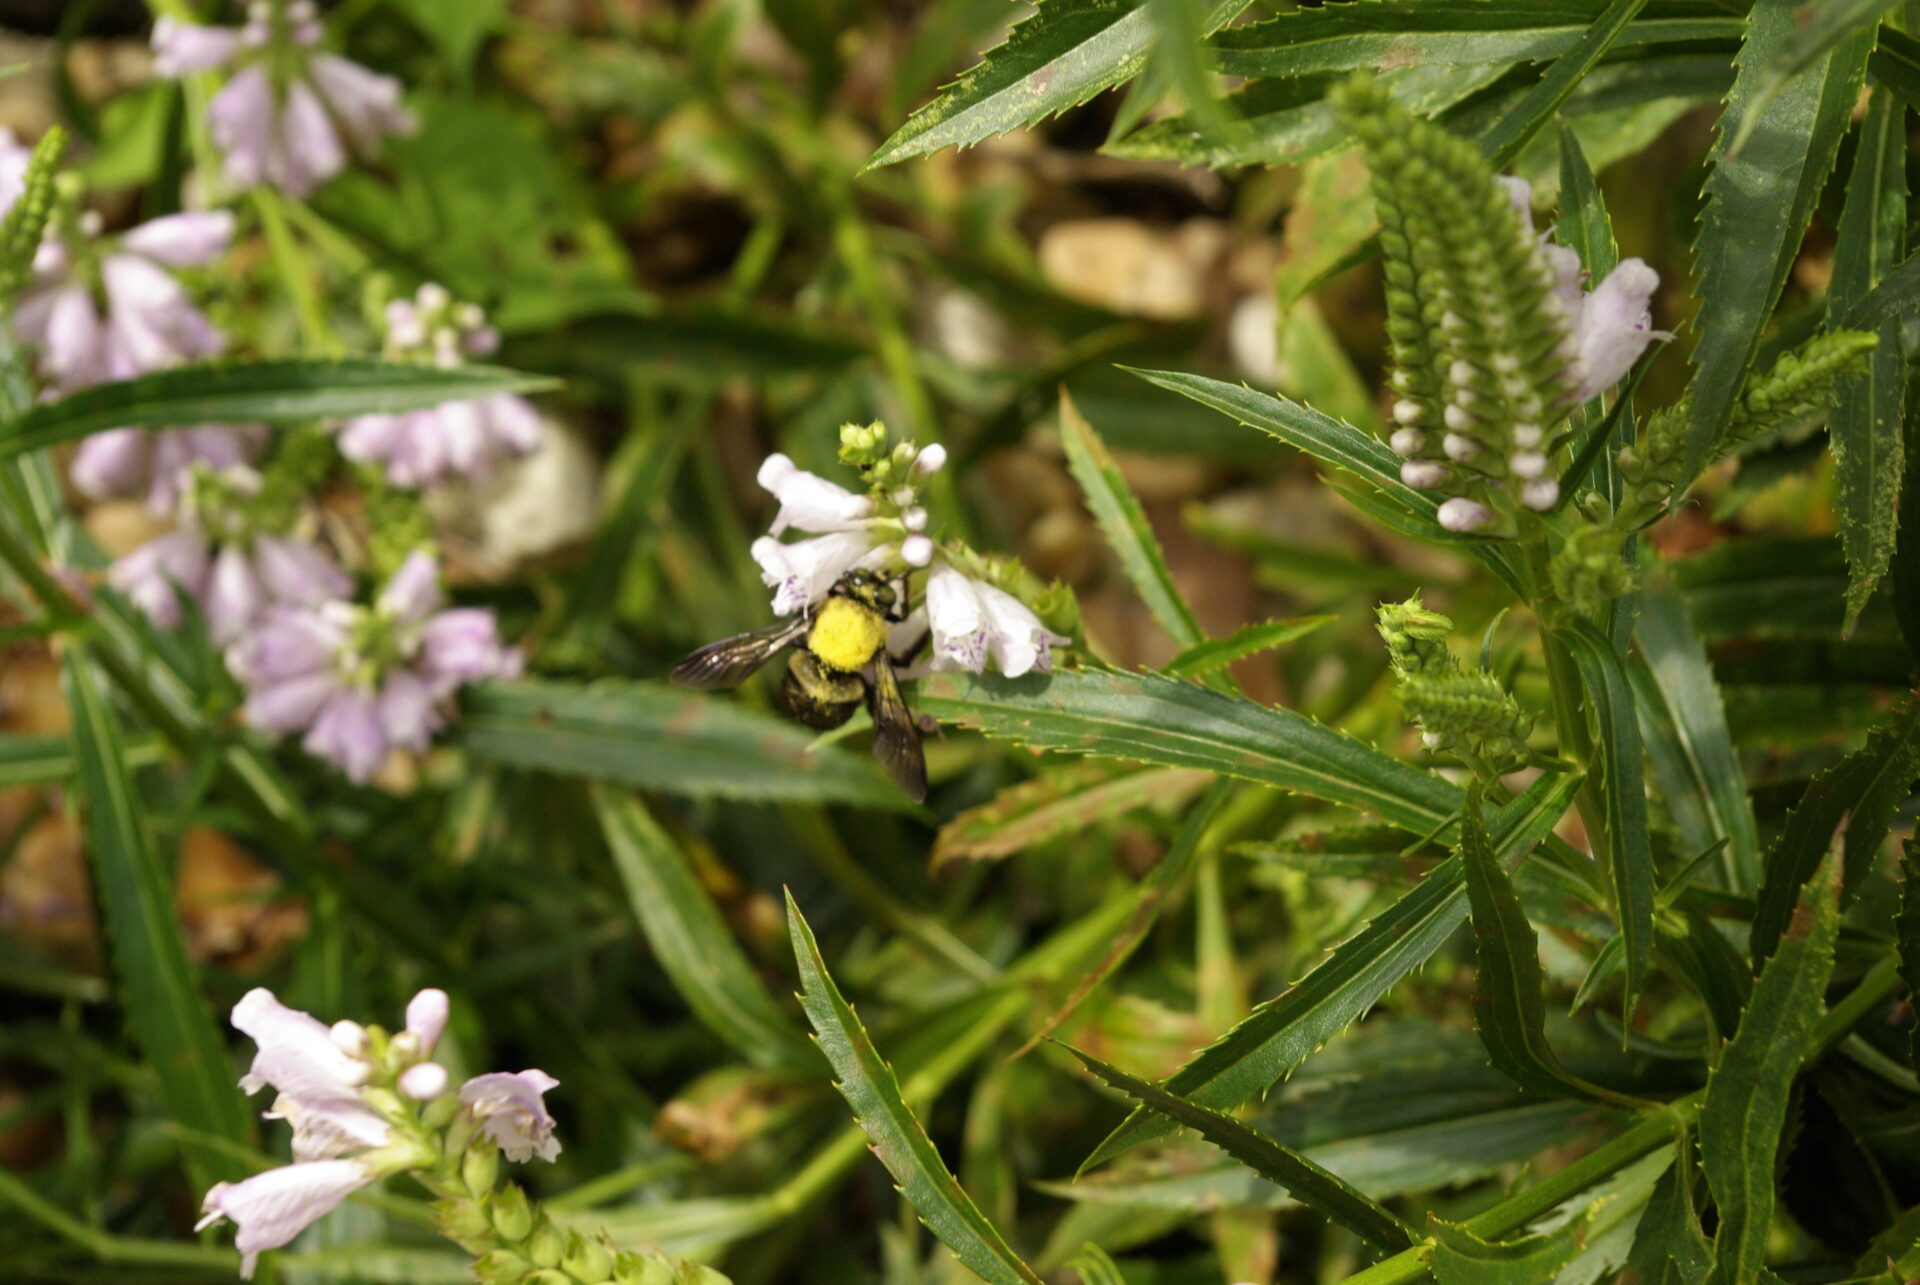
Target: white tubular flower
<point>427,1018</point>
<point>801,573</point>
<point>510,1109</point>
<point>272,1208</point>
<point>972,620</point>
<point>810,502</point>
<point>319,1084</point>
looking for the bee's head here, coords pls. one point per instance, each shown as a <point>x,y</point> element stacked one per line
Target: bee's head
<point>867,589</point>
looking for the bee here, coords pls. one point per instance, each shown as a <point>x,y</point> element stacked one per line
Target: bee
<point>839,659</point>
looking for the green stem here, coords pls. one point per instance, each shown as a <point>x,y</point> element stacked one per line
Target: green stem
<point>296,273</point>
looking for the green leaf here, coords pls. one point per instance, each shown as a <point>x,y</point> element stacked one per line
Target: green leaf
<point>898,1138</point>
<point>1095,1266</point>
<point>1331,442</point>
<point>1144,718</point>
<point>1126,527</point>
<point>1907,926</point>
<point>457,28</point>
<point>1462,1258</point>
<point>1152,894</point>
<point>1703,777</point>
<point>274,391</point>
<point>1668,1246</point>
<point>1895,64</point>
<point>157,983</point>
<point>1060,57</point>
<point>691,940</point>
<point>1716,971</point>
<point>661,738</point>
<point>1867,422</point>
<point>1283,1032</point>
<point>1622,793</point>
<point>1285,1168</point>
<point>44,760</point>
<point>1862,791</point>
<point>1204,658</point>
<point>1758,202</point>
<point>1057,803</point>
<point>1509,1008</point>
<point>1504,139</point>
<point>1821,27</point>
<point>1749,1091</point>
<point>1416,33</point>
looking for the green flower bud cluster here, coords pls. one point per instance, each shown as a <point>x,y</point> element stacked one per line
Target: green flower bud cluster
<point>1588,571</point>
<point>1470,714</point>
<point>1478,334</point>
<point>26,222</point>
<point>883,466</point>
<point>1794,389</point>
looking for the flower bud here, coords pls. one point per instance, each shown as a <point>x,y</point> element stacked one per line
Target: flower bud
<point>587,1260</point>
<point>349,1037</point>
<point>480,1167</point>
<point>1541,494</point>
<point>427,1018</point>
<point>930,460</point>
<point>424,1081</point>
<point>512,1215</point>
<point>549,1276</point>
<point>1461,515</point>
<point>1459,446</point>
<point>546,1246</point>
<point>1527,464</point>
<point>1407,442</point>
<point>500,1267</point>
<point>1456,417</point>
<point>462,1220</point>
<point>914,519</point>
<point>916,551</point>
<point>1406,412</point>
<point>1423,475</point>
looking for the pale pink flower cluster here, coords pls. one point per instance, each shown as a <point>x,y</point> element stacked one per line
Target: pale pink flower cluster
<point>291,115</point>
<point>359,682</point>
<point>454,439</point>
<point>971,621</point>
<point>344,1139</point>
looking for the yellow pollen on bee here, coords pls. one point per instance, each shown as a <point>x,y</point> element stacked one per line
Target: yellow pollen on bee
<point>846,635</point>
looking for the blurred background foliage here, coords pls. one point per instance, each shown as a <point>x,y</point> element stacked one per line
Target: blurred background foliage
<point>665,205</point>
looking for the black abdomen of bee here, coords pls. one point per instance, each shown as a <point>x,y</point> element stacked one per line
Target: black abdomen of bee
<point>818,696</point>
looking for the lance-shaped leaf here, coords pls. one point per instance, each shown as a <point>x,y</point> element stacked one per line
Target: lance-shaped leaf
<point>1095,1266</point>
<point>1823,26</point>
<point>157,982</point>
<point>1282,1166</point>
<point>1748,1092</point>
<point>1622,791</point>
<point>1417,33</point>
<point>290,389</point>
<point>1061,56</point>
<point>1462,1258</point>
<point>1907,926</point>
<point>1693,752</point>
<point>1148,719</point>
<point>1668,1246</point>
<point>1758,201</point>
<point>1895,64</point>
<point>1151,896</point>
<point>691,940</point>
<point>661,738</point>
<point>1861,791</point>
<point>42,760</point>
<point>1204,658</point>
<point>899,1139</point>
<point>1057,803</point>
<point>1280,1034</point>
<point>1126,527</point>
<point>1867,423</point>
<point>1505,138</point>
<point>1509,1008</point>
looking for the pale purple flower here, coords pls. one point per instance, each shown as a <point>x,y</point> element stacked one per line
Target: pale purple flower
<point>510,1109</point>
<point>234,583</point>
<point>454,439</point>
<point>424,1081</point>
<point>972,620</point>
<point>148,323</point>
<point>272,1208</point>
<point>150,463</point>
<point>14,156</point>
<point>427,1018</point>
<point>1612,328</point>
<point>296,133</point>
<point>363,681</point>
<point>318,1082</point>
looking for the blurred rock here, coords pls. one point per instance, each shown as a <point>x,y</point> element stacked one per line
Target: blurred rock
<point>31,703</point>
<point>230,904</point>
<point>1128,267</point>
<point>121,526</point>
<point>46,894</point>
<point>1253,337</point>
<point>962,326</point>
<point>528,510</point>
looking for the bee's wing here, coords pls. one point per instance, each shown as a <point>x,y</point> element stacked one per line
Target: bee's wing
<point>731,661</point>
<point>896,738</point>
